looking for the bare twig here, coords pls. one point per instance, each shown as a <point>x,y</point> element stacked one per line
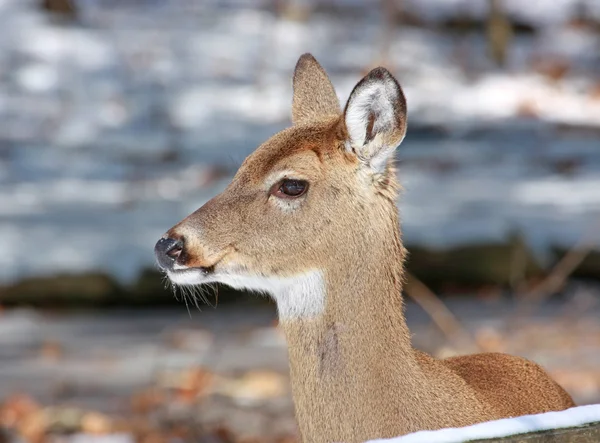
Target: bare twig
<point>517,267</point>
<point>559,273</point>
<point>439,313</point>
<point>390,11</point>
<point>565,266</point>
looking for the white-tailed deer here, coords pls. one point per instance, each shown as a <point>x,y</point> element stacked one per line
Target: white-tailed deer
<point>310,218</point>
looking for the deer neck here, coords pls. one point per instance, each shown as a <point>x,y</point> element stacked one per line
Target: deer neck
<point>353,369</point>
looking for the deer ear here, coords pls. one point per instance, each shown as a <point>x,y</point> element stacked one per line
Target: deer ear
<point>375,118</point>
<point>314,95</point>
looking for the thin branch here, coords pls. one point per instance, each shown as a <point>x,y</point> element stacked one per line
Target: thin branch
<point>390,11</point>
<point>444,319</point>
<point>559,273</point>
<point>565,266</point>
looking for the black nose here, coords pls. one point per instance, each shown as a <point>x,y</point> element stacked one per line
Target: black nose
<point>167,250</point>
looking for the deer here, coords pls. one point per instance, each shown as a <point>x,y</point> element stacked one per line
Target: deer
<point>310,218</point>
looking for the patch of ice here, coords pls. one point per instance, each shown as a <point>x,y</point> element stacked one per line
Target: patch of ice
<point>191,106</point>
<point>77,131</point>
<point>110,438</point>
<point>577,416</point>
<point>223,81</point>
<point>38,77</point>
<point>576,197</point>
<point>55,45</point>
<point>22,327</point>
<point>5,5</point>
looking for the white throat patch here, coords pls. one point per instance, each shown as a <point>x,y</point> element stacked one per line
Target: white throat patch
<point>301,296</point>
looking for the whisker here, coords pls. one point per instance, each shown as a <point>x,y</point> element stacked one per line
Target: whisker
<point>202,293</point>
<point>194,292</point>
<point>215,292</point>
<point>183,293</point>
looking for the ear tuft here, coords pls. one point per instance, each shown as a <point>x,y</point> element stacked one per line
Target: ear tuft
<point>375,118</point>
<point>314,95</point>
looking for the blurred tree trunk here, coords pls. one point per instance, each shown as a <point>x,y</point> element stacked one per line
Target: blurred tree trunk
<point>63,7</point>
<point>499,33</point>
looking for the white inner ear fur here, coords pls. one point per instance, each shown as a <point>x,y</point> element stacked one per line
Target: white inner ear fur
<point>373,101</point>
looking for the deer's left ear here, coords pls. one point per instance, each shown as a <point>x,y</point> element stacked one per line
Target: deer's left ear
<point>375,119</point>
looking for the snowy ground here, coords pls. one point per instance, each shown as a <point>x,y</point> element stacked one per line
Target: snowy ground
<point>115,128</point>
<point>572,418</point>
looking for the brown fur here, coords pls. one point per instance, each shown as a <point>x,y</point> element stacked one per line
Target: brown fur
<point>313,92</point>
<point>514,385</point>
<point>355,375</point>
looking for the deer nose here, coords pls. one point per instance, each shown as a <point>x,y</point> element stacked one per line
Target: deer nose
<point>167,250</point>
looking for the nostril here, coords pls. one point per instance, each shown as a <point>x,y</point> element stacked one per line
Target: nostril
<point>176,250</point>
<point>167,250</point>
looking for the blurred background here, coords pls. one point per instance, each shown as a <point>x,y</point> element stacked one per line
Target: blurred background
<point>119,118</point>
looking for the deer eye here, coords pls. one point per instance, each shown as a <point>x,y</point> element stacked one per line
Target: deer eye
<point>290,188</point>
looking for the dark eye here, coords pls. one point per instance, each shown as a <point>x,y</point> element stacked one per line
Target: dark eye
<point>290,188</point>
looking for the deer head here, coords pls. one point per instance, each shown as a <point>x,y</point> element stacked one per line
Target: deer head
<point>310,218</point>
<point>308,204</point>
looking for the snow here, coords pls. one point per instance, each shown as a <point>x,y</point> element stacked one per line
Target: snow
<point>90,111</point>
<point>38,77</point>
<point>110,438</point>
<point>577,416</point>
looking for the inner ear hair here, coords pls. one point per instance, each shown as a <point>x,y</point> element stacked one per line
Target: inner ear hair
<point>375,118</point>
<point>369,135</point>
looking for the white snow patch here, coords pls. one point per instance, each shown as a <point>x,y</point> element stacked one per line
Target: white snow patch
<point>38,77</point>
<point>86,106</point>
<point>577,416</point>
<point>111,438</point>
<point>575,196</point>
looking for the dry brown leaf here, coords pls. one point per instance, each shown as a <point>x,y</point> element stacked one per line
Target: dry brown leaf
<point>51,350</point>
<point>96,423</point>
<point>255,385</point>
<point>528,109</point>
<point>553,69</point>
<point>224,435</point>
<point>490,340</point>
<point>197,381</point>
<point>595,91</point>
<point>581,382</point>
<point>33,427</point>
<point>146,401</point>
<point>15,408</point>
<point>446,352</point>
<point>154,437</point>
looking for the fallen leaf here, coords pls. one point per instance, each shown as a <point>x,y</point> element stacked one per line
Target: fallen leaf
<point>16,408</point>
<point>33,427</point>
<point>96,423</point>
<point>51,350</point>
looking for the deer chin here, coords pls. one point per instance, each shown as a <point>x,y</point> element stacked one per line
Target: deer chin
<point>297,296</point>
<point>188,276</point>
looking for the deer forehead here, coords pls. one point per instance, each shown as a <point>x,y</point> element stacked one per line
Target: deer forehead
<point>296,152</point>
